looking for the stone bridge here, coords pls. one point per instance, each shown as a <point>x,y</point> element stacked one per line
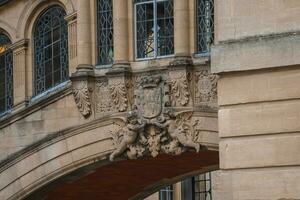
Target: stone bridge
<point>116,128</point>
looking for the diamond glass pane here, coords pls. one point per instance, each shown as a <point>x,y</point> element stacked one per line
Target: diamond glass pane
<point>6,74</point>
<point>154,28</point>
<point>50,49</point>
<point>205,25</point>
<point>202,187</point>
<point>105,32</point>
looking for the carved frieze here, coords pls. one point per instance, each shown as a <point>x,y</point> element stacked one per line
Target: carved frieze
<point>205,87</point>
<point>82,98</point>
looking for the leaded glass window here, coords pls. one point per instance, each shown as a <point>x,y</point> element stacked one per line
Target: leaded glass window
<point>154,28</point>
<point>205,25</point>
<point>105,32</point>
<point>166,193</point>
<point>202,187</point>
<point>6,74</point>
<point>50,49</point>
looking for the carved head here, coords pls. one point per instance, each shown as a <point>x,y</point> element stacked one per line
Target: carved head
<point>132,117</point>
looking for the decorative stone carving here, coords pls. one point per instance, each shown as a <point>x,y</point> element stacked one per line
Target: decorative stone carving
<point>152,127</point>
<point>169,133</point>
<point>206,87</point>
<point>103,98</point>
<point>179,88</point>
<point>118,93</point>
<point>82,99</point>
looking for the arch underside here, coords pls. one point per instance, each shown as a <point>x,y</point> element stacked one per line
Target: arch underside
<point>127,179</point>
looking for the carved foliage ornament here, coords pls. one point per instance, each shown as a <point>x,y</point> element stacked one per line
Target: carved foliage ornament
<point>118,94</point>
<point>179,88</point>
<point>81,96</point>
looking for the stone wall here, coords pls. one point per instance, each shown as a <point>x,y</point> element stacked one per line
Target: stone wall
<point>256,56</point>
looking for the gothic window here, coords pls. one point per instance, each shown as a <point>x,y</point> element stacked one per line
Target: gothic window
<point>50,49</point>
<point>205,25</point>
<point>6,74</point>
<point>166,193</point>
<point>105,32</point>
<point>202,187</point>
<point>154,28</point>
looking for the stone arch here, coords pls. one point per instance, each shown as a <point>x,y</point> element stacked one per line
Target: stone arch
<point>33,9</point>
<point>8,30</point>
<point>75,148</point>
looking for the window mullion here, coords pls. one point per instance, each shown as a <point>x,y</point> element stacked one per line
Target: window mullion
<point>155,27</point>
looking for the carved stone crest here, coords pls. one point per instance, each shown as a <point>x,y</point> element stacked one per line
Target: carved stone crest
<point>152,127</point>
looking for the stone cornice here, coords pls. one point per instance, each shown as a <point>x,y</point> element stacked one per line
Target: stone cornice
<point>19,44</point>
<point>71,17</point>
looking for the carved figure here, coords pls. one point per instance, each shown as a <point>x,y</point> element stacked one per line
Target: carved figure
<point>129,134</point>
<point>180,130</point>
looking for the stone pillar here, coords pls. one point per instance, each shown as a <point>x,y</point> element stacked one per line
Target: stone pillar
<point>72,41</point>
<point>84,39</point>
<point>181,28</point>
<point>19,73</point>
<point>120,20</point>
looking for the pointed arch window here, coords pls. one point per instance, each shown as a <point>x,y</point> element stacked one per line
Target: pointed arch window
<point>50,49</point>
<point>205,25</point>
<point>6,74</point>
<point>154,28</point>
<point>105,32</point>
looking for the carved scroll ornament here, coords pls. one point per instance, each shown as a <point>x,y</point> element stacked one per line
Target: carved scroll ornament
<point>179,88</point>
<point>82,99</point>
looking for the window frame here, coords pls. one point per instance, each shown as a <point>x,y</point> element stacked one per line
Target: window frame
<point>8,95</point>
<point>169,190</point>
<point>196,50</point>
<point>194,181</point>
<point>154,2</point>
<point>99,65</point>
<point>60,41</point>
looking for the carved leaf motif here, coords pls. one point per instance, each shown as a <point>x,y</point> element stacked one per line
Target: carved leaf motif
<point>179,89</point>
<point>118,94</point>
<point>82,99</point>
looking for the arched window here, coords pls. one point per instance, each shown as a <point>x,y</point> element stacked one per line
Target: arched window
<point>154,28</point>
<point>6,74</point>
<point>105,32</point>
<point>50,49</point>
<point>205,25</point>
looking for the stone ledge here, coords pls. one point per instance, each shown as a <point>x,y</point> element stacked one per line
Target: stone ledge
<point>256,53</point>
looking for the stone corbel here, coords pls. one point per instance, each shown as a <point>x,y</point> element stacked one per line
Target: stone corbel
<point>118,87</point>
<point>179,78</point>
<point>82,84</point>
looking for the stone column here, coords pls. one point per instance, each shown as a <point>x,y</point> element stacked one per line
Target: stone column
<point>84,41</point>
<point>120,20</point>
<point>181,28</point>
<point>19,72</point>
<point>72,41</point>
